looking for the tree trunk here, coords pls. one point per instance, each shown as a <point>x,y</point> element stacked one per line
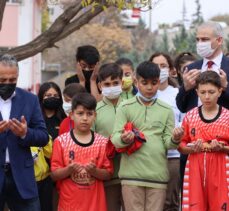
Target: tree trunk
<point>2,8</point>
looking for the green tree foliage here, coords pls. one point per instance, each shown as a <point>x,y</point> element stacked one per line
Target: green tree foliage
<point>45,19</point>
<point>198,17</point>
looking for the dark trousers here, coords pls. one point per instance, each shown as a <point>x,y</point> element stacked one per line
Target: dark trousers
<point>45,190</point>
<point>12,198</point>
<point>183,160</point>
<point>172,202</point>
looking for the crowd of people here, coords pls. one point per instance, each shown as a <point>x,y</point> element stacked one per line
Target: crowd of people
<point>116,138</point>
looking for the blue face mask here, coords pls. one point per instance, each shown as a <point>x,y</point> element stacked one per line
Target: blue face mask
<point>139,94</point>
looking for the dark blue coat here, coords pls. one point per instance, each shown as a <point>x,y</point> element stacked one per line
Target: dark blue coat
<point>27,104</point>
<point>186,100</point>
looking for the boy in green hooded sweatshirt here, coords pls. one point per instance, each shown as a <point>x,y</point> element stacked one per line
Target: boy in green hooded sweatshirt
<point>110,84</point>
<point>144,174</point>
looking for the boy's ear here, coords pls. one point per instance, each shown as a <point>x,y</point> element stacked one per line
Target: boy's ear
<point>100,87</point>
<point>135,82</point>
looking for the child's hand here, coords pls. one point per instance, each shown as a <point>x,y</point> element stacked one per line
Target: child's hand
<point>216,146</point>
<point>127,137</point>
<point>178,134</point>
<point>91,167</point>
<point>74,167</point>
<point>197,146</point>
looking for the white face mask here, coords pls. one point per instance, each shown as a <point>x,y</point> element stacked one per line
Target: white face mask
<point>112,92</point>
<point>67,106</point>
<point>204,49</point>
<point>164,74</point>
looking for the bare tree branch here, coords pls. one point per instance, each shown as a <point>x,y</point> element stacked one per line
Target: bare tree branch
<point>79,22</point>
<point>47,38</point>
<point>2,9</point>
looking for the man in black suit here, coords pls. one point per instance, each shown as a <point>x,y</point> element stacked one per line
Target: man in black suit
<point>209,40</point>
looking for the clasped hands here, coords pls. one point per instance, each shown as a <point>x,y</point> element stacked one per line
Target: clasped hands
<point>211,146</point>
<point>76,167</point>
<point>19,128</point>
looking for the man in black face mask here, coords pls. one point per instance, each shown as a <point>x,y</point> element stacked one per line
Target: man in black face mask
<point>87,58</point>
<point>21,126</point>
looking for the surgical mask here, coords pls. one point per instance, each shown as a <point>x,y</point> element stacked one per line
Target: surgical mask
<point>67,106</point>
<point>127,82</point>
<point>139,94</point>
<point>204,49</point>
<point>112,92</point>
<point>164,74</point>
<point>6,90</point>
<point>52,103</point>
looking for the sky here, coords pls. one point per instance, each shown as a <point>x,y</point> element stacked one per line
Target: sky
<point>170,11</point>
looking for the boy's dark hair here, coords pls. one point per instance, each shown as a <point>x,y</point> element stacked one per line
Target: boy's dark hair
<point>72,89</point>
<point>148,70</point>
<point>125,61</point>
<point>87,53</point>
<point>84,99</point>
<point>109,70</point>
<point>209,77</point>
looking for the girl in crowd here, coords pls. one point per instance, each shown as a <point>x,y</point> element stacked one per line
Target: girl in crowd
<point>128,88</point>
<point>180,62</point>
<point>51,104</point>
<point>167,92</point>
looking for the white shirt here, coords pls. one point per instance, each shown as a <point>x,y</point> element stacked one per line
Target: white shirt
<point>215,67</point>
<point>168,96</point>
<point>5,109</point>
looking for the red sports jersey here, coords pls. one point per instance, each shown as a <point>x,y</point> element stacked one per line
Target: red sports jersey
<point>206,180</point>
<point>81,191</point>
<point>66,125</point>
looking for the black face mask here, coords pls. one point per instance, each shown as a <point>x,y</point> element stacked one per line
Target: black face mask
<point>87,74</point>
<point>52,103</point>
<point>6,90</point>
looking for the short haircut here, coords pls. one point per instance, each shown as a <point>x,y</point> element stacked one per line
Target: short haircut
<point>109,70</point>
<point>215,26</point>
<point>148,70</point>
<point>84,99</point>
<point>210,77</point>
<point>166,56</point>
<point>125,61</point>
<point>8,60</point>
<point>87,53</point>
<point>72,89</point>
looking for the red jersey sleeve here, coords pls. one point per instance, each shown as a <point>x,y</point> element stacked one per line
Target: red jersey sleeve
<point>107,163</point>
<point>186,138</point>
<point>57,156</point>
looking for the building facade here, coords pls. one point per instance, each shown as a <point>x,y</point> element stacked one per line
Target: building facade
<point>21,24</point>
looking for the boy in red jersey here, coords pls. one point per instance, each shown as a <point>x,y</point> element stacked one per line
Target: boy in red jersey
<point>206,140</point>
<point>80,162</point>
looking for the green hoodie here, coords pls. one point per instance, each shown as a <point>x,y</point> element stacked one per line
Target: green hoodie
<point>148,166</point>
<point>104,125</point>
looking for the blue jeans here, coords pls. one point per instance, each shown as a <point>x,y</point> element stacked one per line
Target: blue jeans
<point>12,198</point>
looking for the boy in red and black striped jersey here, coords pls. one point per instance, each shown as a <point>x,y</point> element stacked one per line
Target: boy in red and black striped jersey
<point>206,140</point>
<point>79,162</point>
